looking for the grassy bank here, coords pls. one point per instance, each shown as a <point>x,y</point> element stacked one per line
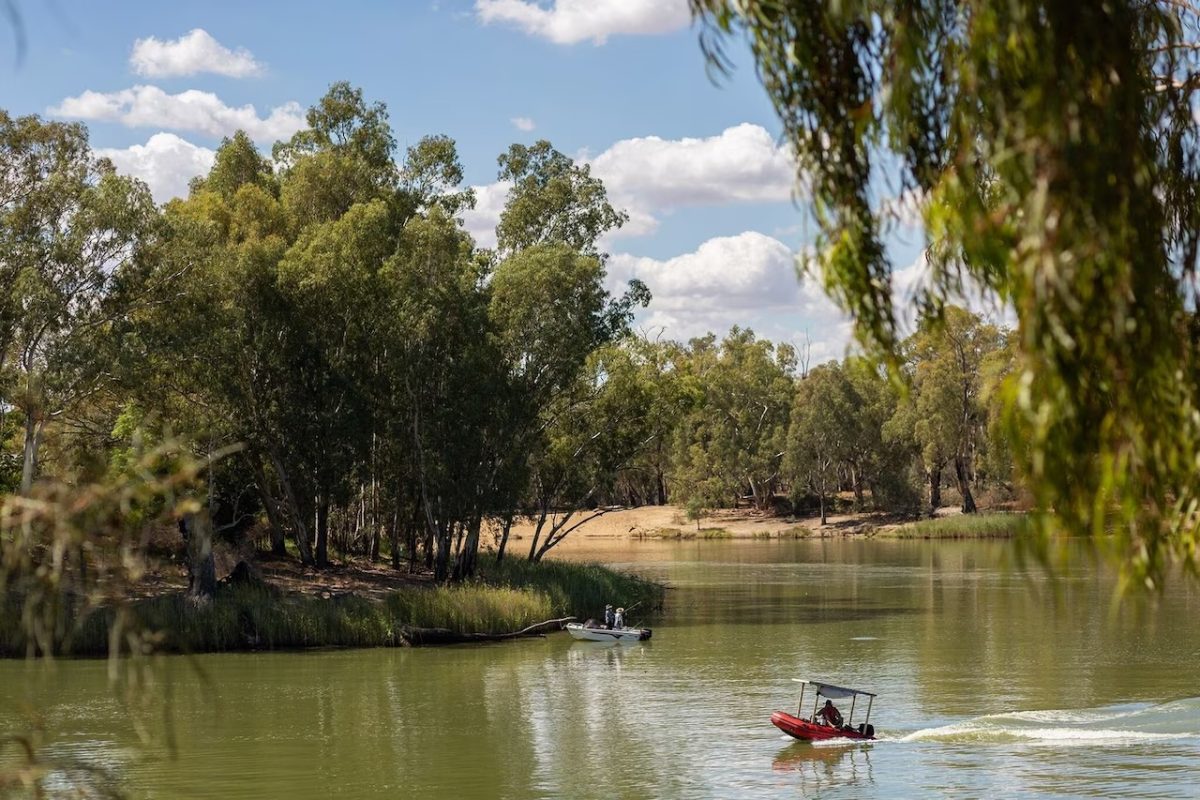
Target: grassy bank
<point>508,597</point>
<point>685,533</point>
<point>963,526</point>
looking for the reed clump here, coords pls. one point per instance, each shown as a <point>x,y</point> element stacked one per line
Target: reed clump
<point>965,526</point>
<point>473,608</point>
<point>580,590</point>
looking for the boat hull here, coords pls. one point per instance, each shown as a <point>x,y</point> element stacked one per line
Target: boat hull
<point>811,732</point>
<point>607,634</point>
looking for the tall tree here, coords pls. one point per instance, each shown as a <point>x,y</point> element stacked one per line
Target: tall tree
<point>823,430</point>
<point>732,443</point>
<point>552,200</point>
<point>947,357</point>
<point>73,235</point>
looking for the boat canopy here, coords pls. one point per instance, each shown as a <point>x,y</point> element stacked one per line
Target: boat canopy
<point>834,692</point>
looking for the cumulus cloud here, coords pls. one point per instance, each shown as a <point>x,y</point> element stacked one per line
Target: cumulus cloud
<point>747,271</point>
<point>165,162</point>
<point>481,221</point>
<point>649,176</point>
<point>574,21</point>
<point>749,280</point>
<point>194,52</point>
<point>192,110</point>
<point>523,123</point>
<point>742,164</point>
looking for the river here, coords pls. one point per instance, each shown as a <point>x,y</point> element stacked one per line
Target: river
<point>993,681</point>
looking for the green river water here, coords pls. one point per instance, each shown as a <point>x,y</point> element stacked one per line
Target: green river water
<point>992,682</point>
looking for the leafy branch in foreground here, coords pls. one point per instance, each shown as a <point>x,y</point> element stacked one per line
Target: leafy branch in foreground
<point>1054,151</point>
<point>67,551</point>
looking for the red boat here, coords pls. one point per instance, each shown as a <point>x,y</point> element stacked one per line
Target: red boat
<point>811,730</point>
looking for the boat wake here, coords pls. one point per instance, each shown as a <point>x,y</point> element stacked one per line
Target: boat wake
<point>1127,724</point>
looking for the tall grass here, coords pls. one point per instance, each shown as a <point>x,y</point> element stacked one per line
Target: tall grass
<point>508,596</point>
<point>580,590</point>
<point>686,534</point>
<point>964,526</point>
<point>470,609</point>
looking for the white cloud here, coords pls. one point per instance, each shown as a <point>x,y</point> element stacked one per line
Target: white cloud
<point>165,162</point>
<point>523,124</point>
<point>744,272</point>
<point>192,110</point>
<point>748,280</point>
<point>742,164</point>
<point>649,176</point>
<point>573,21</point>
<point>196,51</point>
<point>481,221</point>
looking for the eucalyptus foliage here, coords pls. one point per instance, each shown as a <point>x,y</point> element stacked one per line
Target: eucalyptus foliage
<point>1052,147</point>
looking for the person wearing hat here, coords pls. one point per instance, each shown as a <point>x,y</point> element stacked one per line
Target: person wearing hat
<point>608,616</point>
<point>830,714</point>
<point>619,620</point>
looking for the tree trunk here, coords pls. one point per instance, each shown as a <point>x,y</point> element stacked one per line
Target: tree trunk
<point>441,566</point>
<point>202,570</point>
<point>411,530</point>
<point>537,533</point>
<point>464,567</point>
<point>964,486</point>
<point>661,487</point>
<point>394,534</point>
<point>935,490</point>
<point>302,542</point>
<point>420,636</point>
<point>508,521</point>
<point>857,484</point>
<point>33,441</point>
<point>323,532</point>
<point>821,500</point>
<point>278,546</point>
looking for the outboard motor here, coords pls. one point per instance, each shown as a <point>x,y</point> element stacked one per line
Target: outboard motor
<point>870,731</point>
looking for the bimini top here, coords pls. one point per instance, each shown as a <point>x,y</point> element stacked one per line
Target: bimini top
<point>834,692</point>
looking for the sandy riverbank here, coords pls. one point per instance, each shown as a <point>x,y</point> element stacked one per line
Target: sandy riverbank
<point>669,521</point>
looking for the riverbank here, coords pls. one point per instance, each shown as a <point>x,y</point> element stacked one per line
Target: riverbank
<point>258,613</point>
<point>277,604</point>
<point>670,522</point>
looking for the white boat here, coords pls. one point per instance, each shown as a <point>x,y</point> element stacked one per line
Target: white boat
<point>598,634</point>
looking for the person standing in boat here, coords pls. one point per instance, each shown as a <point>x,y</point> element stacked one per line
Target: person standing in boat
<point>619,620</point>
<point>608,616</point>
<point>830,715</point>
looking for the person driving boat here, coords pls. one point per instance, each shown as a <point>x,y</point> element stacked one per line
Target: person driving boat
<point>830,715</point>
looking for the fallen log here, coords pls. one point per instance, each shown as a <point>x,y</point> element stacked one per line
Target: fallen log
<point>423,636</point>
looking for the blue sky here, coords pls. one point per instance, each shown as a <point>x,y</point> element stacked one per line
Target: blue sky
<point>621,83</point>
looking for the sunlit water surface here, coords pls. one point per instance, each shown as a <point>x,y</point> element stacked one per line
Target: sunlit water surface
<point>992,682</point>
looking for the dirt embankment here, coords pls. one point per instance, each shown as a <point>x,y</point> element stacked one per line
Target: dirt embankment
<point>667,522</point>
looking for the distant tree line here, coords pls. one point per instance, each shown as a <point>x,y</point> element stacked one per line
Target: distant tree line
<point>386,388</point>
